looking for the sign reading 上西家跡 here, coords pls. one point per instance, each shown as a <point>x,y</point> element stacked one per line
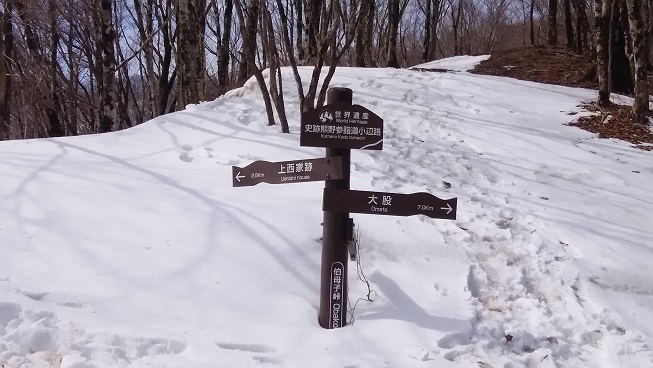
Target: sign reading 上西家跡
<point>285,172</point>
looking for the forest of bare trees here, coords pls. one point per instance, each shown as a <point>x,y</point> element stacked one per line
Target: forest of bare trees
<point>92,66</point>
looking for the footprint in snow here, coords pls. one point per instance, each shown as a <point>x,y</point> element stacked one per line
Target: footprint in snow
<point>187,153</point>
<point>260,353</point>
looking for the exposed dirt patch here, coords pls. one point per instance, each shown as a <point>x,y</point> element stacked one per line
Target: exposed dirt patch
<point>543,64</point>
<point>561,66</point>
<point>615,121</point>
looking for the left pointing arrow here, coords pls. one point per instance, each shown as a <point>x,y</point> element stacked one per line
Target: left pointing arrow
<point>238,176</point>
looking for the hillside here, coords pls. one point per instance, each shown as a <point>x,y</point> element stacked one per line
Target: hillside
<point>132,249</point>
<point>563,67</point>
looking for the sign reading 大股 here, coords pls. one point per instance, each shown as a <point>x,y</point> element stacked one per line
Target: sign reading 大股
<point>341,125</point>
<point>392,204</point>
<point>297,171</point>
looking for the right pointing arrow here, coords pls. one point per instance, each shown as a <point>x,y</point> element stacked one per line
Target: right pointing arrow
<point>449,208</point>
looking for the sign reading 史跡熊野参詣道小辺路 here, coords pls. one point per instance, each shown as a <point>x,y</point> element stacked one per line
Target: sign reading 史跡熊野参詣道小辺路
<point>341,125</point>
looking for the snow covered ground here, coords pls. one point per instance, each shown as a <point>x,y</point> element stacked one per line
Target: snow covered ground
<point>132,249</point>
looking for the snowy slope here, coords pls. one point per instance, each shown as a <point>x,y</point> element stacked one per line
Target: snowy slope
<point>131,249</point>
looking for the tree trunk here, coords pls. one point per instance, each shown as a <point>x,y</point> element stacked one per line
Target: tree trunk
<point>622,67</point>
<point>363,36</point>
<point>585,26</point>
<point>73,83</point>
<point>166,79</point>
<point>105,40</point>
<point>245,69</point>
<point>313,13</point>
<point>578,45</point>
<point>6,47</point>
<point>299,13</point>
<point>427,32</point>
<point>569,25</point>
<point>223,52</point>
<point>636,10</point>
<point>249,49</point>
<point>46,100</point>
<point>276,82</point>
<point>393,29</point>
<point>56,129</point>
<point>437,9</point>
<point>145,27</point>
<point>602,17</point>
<point>531,17</point>
<point>369,34</point>
<point>190,52</point>
<point>291,56</point>
<point>456,13</point>
<point>553,23</point>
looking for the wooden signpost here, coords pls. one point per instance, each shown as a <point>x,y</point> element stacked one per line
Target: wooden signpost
<point>340,126</point>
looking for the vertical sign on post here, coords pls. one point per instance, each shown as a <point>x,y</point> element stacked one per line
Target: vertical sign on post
<point>333,289</point>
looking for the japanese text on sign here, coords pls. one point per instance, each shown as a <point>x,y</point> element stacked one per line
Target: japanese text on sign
<point>386,200</point>
<point>337,300</point>
<point>346,130</point>
<point>295,168</point>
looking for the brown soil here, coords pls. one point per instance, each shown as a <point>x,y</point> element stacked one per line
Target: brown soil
<point>560,66</point>
<point>615,121</point>
<point>550,65</point>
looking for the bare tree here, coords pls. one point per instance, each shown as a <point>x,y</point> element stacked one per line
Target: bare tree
<point>393,29</point>
<point>105,40</point>
<point>636,11</point>
<point>602,18</point>
<point>6,54</point>
<point>191,61</point>
<point>364,34</point>
<point>334,33</point>
<point>582,26</point>
<point>168,72</point>
<point>301,29</point>
<point>456,16</point>
<point>532,22</point>
<point>553,23</point>
<point>145,24</point>
<point>223,49</point>
<point>247,23</point>
<point>569,24</point>
<point>274,61</point>
<point>434,11</point>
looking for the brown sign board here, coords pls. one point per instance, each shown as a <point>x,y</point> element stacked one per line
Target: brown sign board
<point>284,172</point>
<point>341,125</point>
<point>392,204</point>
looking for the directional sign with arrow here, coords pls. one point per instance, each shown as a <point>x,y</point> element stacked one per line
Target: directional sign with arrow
<point>297,171</point>
<point>392,204</point>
